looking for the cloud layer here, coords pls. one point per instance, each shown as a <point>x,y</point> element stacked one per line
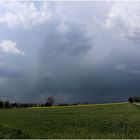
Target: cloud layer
<point>24,14</point>
<point>124,16</point>
<point>75,51</point>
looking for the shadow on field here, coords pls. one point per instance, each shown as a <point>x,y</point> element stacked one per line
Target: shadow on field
<point>11,133</point>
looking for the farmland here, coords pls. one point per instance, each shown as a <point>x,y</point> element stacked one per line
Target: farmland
<point>118,120</point>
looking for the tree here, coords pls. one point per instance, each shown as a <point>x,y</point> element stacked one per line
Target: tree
<point>50,101</point>
<point>136,99</point>
<point>6,104</point>
<point>13,105</point>
<point>1,104</point>
<point>130,99</point>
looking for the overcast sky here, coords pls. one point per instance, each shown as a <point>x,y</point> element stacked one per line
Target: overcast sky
<point>74,51</point>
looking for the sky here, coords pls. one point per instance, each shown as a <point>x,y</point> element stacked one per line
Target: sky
<point>74,51</point>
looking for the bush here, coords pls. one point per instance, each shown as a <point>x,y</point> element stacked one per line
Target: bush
<point>134,99</point>
<point>48,104</point>
<point>11,133</point>
<point>1,104</point>
<point>63,104</point>
<point>6,104</point>
<point>130,99</point>
<point>18,134</point>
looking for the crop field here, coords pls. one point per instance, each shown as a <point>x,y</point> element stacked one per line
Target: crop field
<point>120,120</point>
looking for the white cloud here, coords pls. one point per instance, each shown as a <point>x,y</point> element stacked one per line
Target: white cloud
<point>8,46</point>
<point>124,17</point>
<point>26,14</point>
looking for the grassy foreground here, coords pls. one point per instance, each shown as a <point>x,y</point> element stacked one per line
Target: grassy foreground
<point>90,121</point>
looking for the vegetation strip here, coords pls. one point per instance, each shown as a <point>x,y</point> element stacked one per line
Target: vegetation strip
<point>119,120</point>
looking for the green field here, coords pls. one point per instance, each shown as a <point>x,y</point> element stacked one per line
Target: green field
<point>120,120</point>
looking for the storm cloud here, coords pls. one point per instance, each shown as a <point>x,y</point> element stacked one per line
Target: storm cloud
<point>91,55</point>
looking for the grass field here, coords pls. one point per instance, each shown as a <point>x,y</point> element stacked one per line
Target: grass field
<point>120,120</point>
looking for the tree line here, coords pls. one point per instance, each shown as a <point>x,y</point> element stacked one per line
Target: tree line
<point>134,99</point>
<point>49,103</point>
<point>7,104</point>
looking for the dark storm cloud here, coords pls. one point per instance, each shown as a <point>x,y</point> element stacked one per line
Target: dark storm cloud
<point>63,71</point>
<point>68,61</point>
<point>11,74</point>
<point>61,62</point>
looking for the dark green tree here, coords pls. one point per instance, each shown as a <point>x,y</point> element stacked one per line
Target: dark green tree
<point>50,101</point>
<point>130,99</point>
<point>1,104</point>
<point>6,104</point>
